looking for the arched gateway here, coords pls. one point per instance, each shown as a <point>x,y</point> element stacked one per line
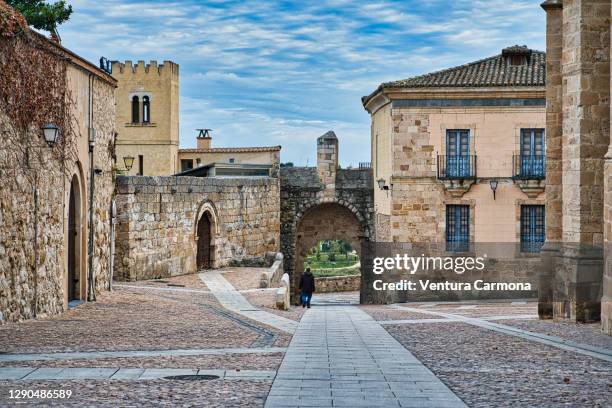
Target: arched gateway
<point>325,221</point>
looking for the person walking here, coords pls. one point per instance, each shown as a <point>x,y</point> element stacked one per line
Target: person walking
<point>307,287</point>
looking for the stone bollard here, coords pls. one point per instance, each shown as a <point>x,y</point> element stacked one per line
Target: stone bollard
<point>282,293</point>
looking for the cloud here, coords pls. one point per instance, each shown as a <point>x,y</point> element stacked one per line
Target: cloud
<point>277,72</point>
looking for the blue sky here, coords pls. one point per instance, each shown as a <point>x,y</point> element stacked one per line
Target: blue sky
<point>284,72</point>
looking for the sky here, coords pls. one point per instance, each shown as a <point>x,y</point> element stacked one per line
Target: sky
<point>265,73</point>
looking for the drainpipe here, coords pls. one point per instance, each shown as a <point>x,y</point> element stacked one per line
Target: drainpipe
<point>112,244</point>
<point>91,293</point>
<point>35,245</point>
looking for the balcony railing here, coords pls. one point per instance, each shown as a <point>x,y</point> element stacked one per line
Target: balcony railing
<point>529,167</point>
<point>456,167</point>
<point>365,165</point>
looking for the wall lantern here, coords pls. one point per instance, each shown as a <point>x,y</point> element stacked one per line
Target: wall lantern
<point>50,132</point>
<point>381,184</point>
<point>128,162</point>
<point>493,184</point>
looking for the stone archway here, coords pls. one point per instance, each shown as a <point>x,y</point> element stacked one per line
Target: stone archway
<point>206,229</point>
<point>203,253</point>
<point>76,280</point>
<point>327,220</point>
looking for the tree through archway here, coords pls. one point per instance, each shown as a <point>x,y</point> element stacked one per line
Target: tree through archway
<point>326,221</point>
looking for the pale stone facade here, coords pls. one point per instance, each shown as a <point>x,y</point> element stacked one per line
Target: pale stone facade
<point>157,231</point>
<point>483,113</point>
<point>148,125</point>
<point>40,270</point>
<point>409,135</point>
<point>202,156</point>
<point>147,97</point>
<point>578,136</point>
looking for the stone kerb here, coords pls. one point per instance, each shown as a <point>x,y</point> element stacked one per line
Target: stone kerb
<point>273,275</point>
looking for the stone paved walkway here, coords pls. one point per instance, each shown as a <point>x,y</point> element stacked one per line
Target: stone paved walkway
<point>232,300</point>
<point>339,356</point>
<point>94,355</point>
<point>136,374</point>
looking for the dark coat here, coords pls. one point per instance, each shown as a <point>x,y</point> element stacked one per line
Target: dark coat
<point>307,283</point>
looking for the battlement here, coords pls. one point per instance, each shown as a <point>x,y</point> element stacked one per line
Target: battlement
<point>142,68</point>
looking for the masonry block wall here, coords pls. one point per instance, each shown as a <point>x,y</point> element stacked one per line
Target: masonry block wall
<point>303,193</point>
<point>35,182</point>
<point>157,219</point>
<point>578,136</point>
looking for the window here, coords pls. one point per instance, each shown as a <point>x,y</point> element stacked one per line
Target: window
<point>532,228</point>
<point>232,160</point>
<point>532,156</point>
<point>146,109</point>
<point>140,165</point>
<point>458,153</point>
<point>186,164</point>
<point>457,228</point>
<point>135,110</point>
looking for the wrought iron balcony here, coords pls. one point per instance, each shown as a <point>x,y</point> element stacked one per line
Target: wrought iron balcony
<point>530,167</point>
<point>456,167</point>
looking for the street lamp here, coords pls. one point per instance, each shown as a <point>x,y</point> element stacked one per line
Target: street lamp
<point>493,184</point>
<point>381,184</point>
<point>128,162</point>
<point>50,132</point>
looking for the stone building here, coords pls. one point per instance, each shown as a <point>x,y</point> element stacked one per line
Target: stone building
<point>458,156</point>
<point>147,98</point>
<point>579,170</point>
<point>148,125</point>
<point>56,198</point>
<point>205,154</point>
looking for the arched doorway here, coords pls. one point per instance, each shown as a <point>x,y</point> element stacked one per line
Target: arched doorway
<point>74,235</point>
<point>204,235</point>
<point>326,221</point>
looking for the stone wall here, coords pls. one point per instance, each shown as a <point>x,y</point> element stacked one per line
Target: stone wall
<point>303,193</point>
<point>36,190</point>
<point>338,284</point>
<point>157,218</point>
<point>578,136</point>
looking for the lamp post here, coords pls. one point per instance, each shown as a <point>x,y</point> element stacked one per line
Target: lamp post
<point>381,184</point>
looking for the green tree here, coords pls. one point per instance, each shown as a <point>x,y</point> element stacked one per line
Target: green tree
<point>43,16</point>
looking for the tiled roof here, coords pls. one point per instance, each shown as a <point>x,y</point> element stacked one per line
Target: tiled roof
<point>489,72</point>
<point>233,149</point>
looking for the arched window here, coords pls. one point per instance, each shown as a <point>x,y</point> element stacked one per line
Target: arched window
<point>135,110</point>
<point>146,109</point>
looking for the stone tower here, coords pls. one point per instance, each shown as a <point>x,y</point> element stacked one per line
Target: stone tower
<point>327,161</point>
<point>147,115</point>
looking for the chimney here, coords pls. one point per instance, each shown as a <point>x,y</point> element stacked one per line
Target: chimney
<point>204,139</point>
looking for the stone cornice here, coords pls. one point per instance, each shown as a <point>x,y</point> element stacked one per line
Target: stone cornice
<point>552,4</point>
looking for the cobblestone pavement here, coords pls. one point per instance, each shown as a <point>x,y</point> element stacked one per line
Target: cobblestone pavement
<point>137,319</point>
<point>164,393</point>
<point>489,369</point>
<point>510,371</point>
<point>243,278</point>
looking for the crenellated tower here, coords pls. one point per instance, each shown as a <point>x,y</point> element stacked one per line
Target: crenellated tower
<point>147,116</point>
